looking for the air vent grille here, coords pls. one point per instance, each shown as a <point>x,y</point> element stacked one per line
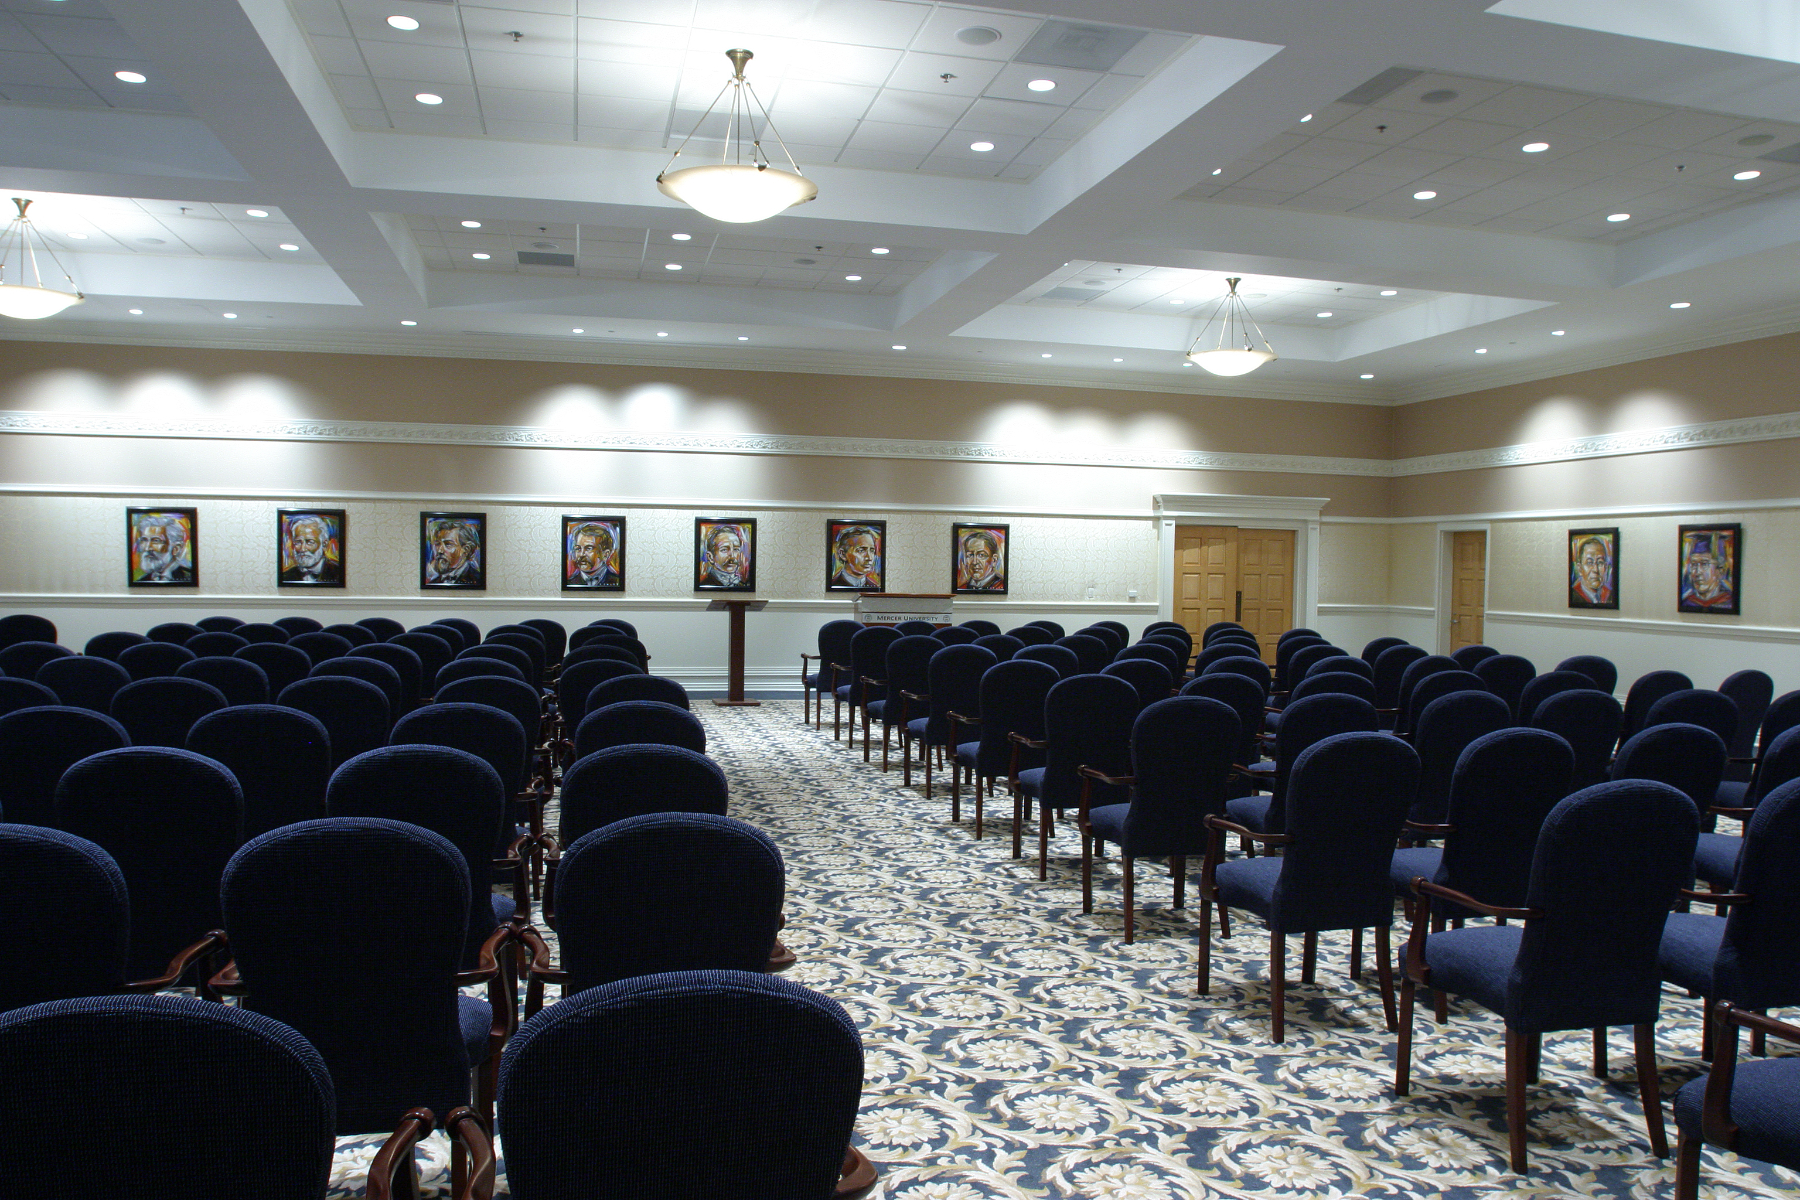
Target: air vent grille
<point>1083,47</point>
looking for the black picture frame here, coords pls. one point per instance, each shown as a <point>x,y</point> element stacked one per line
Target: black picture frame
<point>1709,564</point>
<point>465,563</point>
<point>974,572</point>
<point>1594,568</point>
<point>606,538</point>
<point>717,569</point>
<point>293,545</point>
<point>847,544</point>
<point>177,532</point>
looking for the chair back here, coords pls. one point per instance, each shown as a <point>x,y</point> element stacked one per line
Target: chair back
<point>954,678</point>
<point>454,793</point>
<point>1253,669</point>
<point>506,654</point>
<point>692,1085</point>
<point>1091,652</point>
<point>1001,645</point>
<point>1689,758</point>
<point>1218,628</point>
<point>556,638</point>
<point>637,687</point>
<point>1152,680</point>
<point>1697,706</point>
<point>834,653</point>
<point>983,628</point>
<point>619,623</point>
<point>1390,666</point>
<point>1060,659</point>
<point>175,632</point>
<point>38,744</point>
<point>1467,656</point>
<point>384,628</point>
<point>1343,663</point>
<point>151,660</point>
<point>239,680</point>
<point>298,625</point>
<point>1780,764</point>
<point>1219,651</point>
<point>1115,641</point>
<point>83,681</point>
<point>491,734</point>
<point>1547,685</point>
<point>282,663</point>
<point>1054,629</point>
<point>1157,652</point>
<point>1505,784</point>
<point>1245,698</point>
<point>522,639</point>
<point>638,722</point>
<point>915,628</point>
<point>667,892</point>
<point>24,693</point>
<point>1347,796</point>
<point>624,641</point>
<point>1374,646</point>
<point>1011,700</point>
<point>1176,627</point>
<point>434,651</point>
<point>170,819</point>
<point>1118,627</point>
<point>1648,689</point>
<point>1033,635</point>
<point>1419,668</point>
<point>580,678</point>
<point>1305,722</point>
<point>78,949</point>
<point>405,662</point>
<point>350,931</point>
<point>1751,691</point>
<point>26,627</point>
<point>602,650</point>
<point>281,758</point>
<point>454,636</point>
<point>159,712</point>
<point>1446,727</point>
<point>1284,654</point>
<point>1347,682</point>
<point>1181,755</point>
<point>1087,721</point>
<point>907,668</point>
<point>1601,670</point>
<point>1588,719</point>
<point>354,712</point>
<point>319,646</point>
<point>1178,643</point>
<point>1759,954</point>
<point>629,781</point>
<point>1609,863</point>
<point>1436,685</point>
<point>512,696</point>
<point>216,643</point>
<point>108,645</point>
<point>356,635</point>
<point>192,1095</point>
<point>261,631</point>
<point>1300,661</point>
<point>955,635</point>
<point>868,659</point>
<point>471,632</point>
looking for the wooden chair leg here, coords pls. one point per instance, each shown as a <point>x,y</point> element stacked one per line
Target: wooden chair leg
<point>1384,974</point>
<point>1440,1006</point>
<point>1517,1051</point>
<point>1643,1039</point>
<point>1706,1032</point>
<point>1018,819</point>
<point>981,784</point>
<point>1178,869</point>
<point>1600,1053</point>
<point>1278,986</point>
<point>865,731</point>
<point>1087,872</point>
<point>926,747</point>
<point>1356,954</point>
<point>955,791</point>
<point>905,748</point>
<point>1687,1167</point>
<point>1534,1059</point>
<point>1128,883</point>
<point>1309,957</point>
<point>837,711</point>
<point>1205,965</point>
<point>1043,840</point>
<point>1403,1050</point>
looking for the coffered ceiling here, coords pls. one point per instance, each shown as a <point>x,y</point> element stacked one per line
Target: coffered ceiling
<point>1474,192</point>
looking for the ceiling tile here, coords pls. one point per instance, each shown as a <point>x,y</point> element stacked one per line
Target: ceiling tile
<point>1731,144</point>
<point>508,104</point>
<point>491,29</point>
<point>1469,92</point>
<point>397,95</point>
<point>438,25</point>
<point>649,11</point>
<point>916,108</point>
<point>1380,126</point>
<point>806,98</point>
<point>1683,128</point>
<point>1008,116</point>
<point>829,63</point>
<point>1472,173</point>
<point>1353,185</point>
<point>623,139</point>
<point>918,72</point>
<point>1280,177</point>
<point>1525,106</point>
<point>1013,83</point>
<point>80,35</point>
<point>938,33</point>
<point>1315,202</point>
<point>1108,90</point>
<point>340,56</point>
<point>37,70</point>
<point>526,72</point>
<point>1150,53</point>
<point>426,64</point>
<point>1457,136</point>
<point>1402,162</point>
<point>1331,154</point>
<point>814,129</point>
<point>561,8</point>
<point>1074,123</point>
<point>357,91</point>
<point>76,97</point>
<point>1603,118</point>
<point>619,113</point>
<point>1040,152</point>
<point>321,18</point>
<point>880,160</point>
<point>446,123</point>
<point>626,81</point>
<point>959,143</point>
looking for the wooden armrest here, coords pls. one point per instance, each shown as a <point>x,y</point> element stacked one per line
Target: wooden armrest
<point>179,965</point>
<point>395,1155</point>
<point>486,966</point>
<point>844,667</point>
<point>1422,886</point>
<point>1714,897</point>
<point>1730,1014</point>
<point>1103,777</point>
<point>958,719</point>
<point>922,699</point>
<point>1430,830</point>
<point>856,1178</point>
<point>806,658</point>
<point>1716,1124</point>
<point>1214,821</point>
<point>1391,712</point>
<point>1736,814</point>
<point>1022,740</point>
<point>226,981</point>
<point>867,682</point>
<point>540,965</point>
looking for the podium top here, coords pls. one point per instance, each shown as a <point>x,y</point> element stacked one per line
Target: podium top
<point>746,605</point>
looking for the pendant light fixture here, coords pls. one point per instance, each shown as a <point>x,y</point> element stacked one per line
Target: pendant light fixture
<point>22,291</point>
<point>1232,352</point>
<point>742,186</point>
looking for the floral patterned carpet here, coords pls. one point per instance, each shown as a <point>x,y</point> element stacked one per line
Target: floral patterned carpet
<point>1017,1048</point>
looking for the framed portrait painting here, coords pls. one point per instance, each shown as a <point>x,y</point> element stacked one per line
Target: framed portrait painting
<point>593,554</point>
<point>1711,563</point>
<point>453,550</point>
<point>724,554</point>
<point>309,547</point>
<point>162,547</point>
<point>1593,568</point>
<point>855,556</point>
<point>978,559</point>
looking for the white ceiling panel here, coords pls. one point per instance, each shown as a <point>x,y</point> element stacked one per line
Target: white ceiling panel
<point>938,33</point>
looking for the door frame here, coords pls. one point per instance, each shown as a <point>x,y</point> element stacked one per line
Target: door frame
<point>1446,571</point>
<point>1298,513</point>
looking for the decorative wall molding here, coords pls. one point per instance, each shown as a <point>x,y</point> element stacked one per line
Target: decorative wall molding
<point>1642,626</point>
<point>1774,427</point>
<point>1377,610</point>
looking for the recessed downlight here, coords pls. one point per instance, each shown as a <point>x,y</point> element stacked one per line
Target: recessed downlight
<point>1323,315</point>
<point>79,237</point>
<point>130,77</point>
<point>671,266</point>
<point>577,331</point>
<point>853,278</point>
<point>1424,195</point>
<point>1178,300</point>
<point>481,257</point>
<point>471,224</point>
<point>878,250</point>
<point>1306,118</point>
<point>1741,176</point>
<point>1681,304</point>
<point>1535,147</point>
<point>1368,377</point>
<point>981,147</point>
<point>1118,360</point>
<point>429,98</point>
<point>407,23</point>
<point>136,312</point>
<point>1042,85</point>
<point>289,247</point>
<point>743,337</point>
<point>256,212</point>
<point>662,333</point>
<point>229,316</point>
<point>1558,332</point>
<point>1390,291</point>
<point>681,237</point>
<point>1483,350</point>
<point>1043,356</point>
<point>898,346</point>
<point>1615,218</point>
<point>1218,170</point>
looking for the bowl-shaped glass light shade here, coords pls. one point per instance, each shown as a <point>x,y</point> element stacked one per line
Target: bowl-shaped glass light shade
<point>1231,362</point>
<point>34,303</point>
<point>739,193</point>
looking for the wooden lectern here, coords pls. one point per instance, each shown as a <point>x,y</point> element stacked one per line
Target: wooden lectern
<point>734,687</point>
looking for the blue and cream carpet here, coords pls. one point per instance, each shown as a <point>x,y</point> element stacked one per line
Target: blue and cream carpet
<point>1016,1048</point>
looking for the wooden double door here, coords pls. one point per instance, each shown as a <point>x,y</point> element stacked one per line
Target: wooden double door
<point>1224,573</point>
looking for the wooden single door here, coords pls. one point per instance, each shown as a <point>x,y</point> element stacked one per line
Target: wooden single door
<point>1205,575</point>
<point>1223,573</point>
<point>1266,585</point>
<point>1468,587</point>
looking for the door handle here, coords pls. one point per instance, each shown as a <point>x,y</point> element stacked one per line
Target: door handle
<point>1240,607</point>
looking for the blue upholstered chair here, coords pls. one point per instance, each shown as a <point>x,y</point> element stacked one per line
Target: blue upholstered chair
<point>1158,652</point>
<point>151,660</point>
<point>1446,728</point>
<point>833,656</point>
<point>1588,719</point>
<point>239,680</point>
<point>952,684</point>
<point>638,687</point>
<point>216,643</point>
<point>1253,669</point>
<point>866,680</point>
<point>351,931</point>
<point>38,744</point>
<point>628,781</point>
<point>1150,679</point>
<point>692,1085</point>
<point>1033,635</point>
<point>1010,700</point>
<point>16,694</point>
<point>982,627</point>
<point>618,623</point>
<point>663,892</point>
<point>556,637</point>
<point>1609,863</point>
<point>1299,661</point>
<point>1751,1109</point>
<point>1697,706</point>
<point>1181,756</point>
<point>384,628</point>
<point>297,625</point>
<point>1053,628</point>
<point>354,712</point>
<point>356,635</point>
<point>1390,666</point>
<point>530,643</point>
<point>1752,691</point>
<point>1506,675</point>
<point>1218,629</point>
<point>1782,714</point>
<point>159,712</point>
<point>1114,639</point>
<point>282,663</point>
<point>76,945</point>
<point>1547,685</point>
<point>634,722</point>
<point>955,635</point>
<point>1246,699</point>
<point>1060,658</point>
<point>1404,713</point>
<point>261,631</point>
<point>1087,722</point>
<point>1346,800</point>
<point>1374,646</point>
<point>512,696</point>
<point>467,632</point>
<point>174,632</point>
<point>370,671</point>
<point>1466,657</point>
<point>1001,645</point>
<point>915,628</point>
<point>170,819</point>
<point>1091,652</point>
<point>618,638</point>
<point>1716,855</point>
<point>281,758</point>
<point>572,686</point>
<point>319,646</point>
<point>434,653</point>
<point>1601,670</point>
<point>1306,721</point>
<point>83,681</point>
<point>406,663</point>
<point>110,644</point>
<point>491,734</point>
<point>26,627</point>
<point>1341,664</point>
<point>1685,757</point>
<point>1647,690</point>
<point>597,648</point>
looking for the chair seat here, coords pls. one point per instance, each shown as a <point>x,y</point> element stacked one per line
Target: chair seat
<point>1031,782</point>
<point>1249,883</point>
<point>917,728</point>
<point>846,693</point>
<point>877,710</point>
<point>1271,722</point>
<point>968,754</point>
<point>815,682</point>
<point>1690,946</point>
<point>1731,793</point>
<point>1413,862</point>
<point>1762,1107</point>
<point>1475,962</point>
<point>1108,822</point>
<point>1252,812</point>
<point>1716,859</point>
<point>1264,770</point>
<point>474,1018</point>
<point>503,907</point>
